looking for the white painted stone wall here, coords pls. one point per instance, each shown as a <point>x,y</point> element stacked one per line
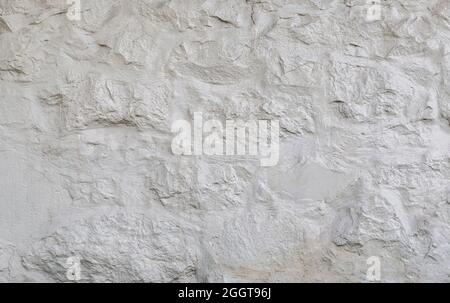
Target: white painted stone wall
<point>86,169</point>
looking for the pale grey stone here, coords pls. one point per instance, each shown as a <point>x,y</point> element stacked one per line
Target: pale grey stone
<point>86,169</point>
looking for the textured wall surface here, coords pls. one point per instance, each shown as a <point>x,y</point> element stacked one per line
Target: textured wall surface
<point>87,171</point>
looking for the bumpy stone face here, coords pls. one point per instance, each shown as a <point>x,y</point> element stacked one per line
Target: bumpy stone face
<point>88,94</point>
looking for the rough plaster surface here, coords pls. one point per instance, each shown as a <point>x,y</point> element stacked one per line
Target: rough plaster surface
<point>85,162</point>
